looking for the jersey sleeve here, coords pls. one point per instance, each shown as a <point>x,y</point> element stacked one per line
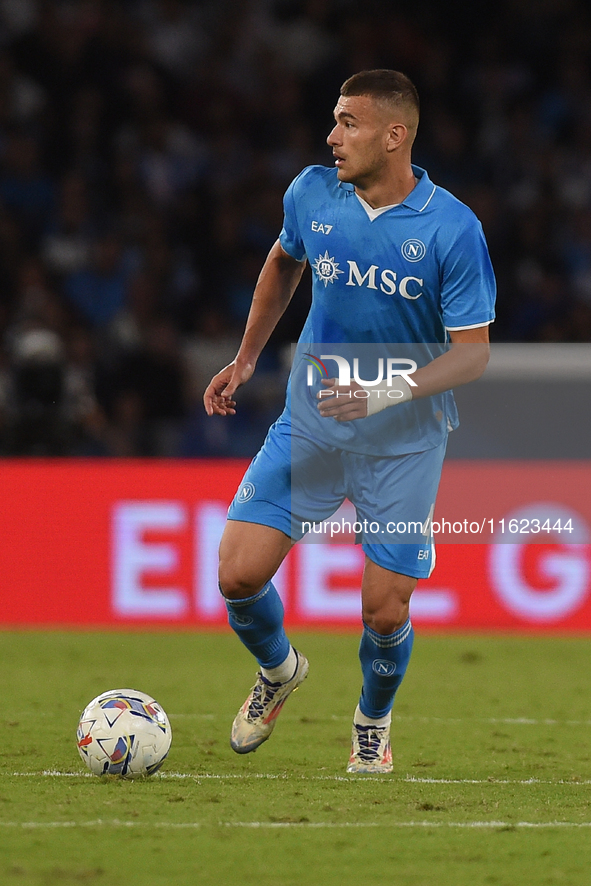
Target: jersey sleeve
<point>468,286</point>
<point>290,237</point>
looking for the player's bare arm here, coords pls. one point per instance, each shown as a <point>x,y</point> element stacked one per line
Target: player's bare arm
<point>275,287</point>
<point>465,361</point>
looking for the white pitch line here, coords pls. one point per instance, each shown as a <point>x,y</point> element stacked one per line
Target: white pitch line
<point>409,779</point>
<point>506,721</point>
<point>459,721</point>
<point>407,824</point>
<point>310,825</point>
<point>99,822</point>
<point>399,718</point>
<point>268,776</point>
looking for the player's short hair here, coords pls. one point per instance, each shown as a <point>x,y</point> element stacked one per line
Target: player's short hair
<point>391,87</point>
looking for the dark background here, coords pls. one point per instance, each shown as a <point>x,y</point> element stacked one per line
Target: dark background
<point>144,150</point>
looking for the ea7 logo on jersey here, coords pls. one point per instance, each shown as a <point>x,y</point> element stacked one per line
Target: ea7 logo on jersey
<point>321,228</point>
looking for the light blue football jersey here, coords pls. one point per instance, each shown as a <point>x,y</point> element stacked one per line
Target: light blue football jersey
<point>406,277</point>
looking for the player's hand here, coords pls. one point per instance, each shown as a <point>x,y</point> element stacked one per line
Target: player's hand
<point>343,403</point>
<point>218,398</point>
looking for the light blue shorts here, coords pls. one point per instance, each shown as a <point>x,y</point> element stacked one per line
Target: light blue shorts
<point>294,482</point>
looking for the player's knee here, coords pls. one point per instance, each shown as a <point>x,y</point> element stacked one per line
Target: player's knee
<point>238,582</point>
<point>385,620</point>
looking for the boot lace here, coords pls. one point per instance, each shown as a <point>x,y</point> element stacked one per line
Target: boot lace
<point>263,694</point>
<point>370,739</point>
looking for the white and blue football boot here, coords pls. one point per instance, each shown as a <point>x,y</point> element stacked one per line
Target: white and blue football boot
<point>371,751</point>
<point>256,719</point>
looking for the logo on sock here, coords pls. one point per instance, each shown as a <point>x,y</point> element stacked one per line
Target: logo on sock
<point>383,668</point>
<point>243,621</point>
<point>246,492</point>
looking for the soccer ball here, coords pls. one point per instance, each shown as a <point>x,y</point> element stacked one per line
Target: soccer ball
<point>124,732</point>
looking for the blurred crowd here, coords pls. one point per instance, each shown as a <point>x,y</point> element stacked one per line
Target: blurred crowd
<point>145,146</point>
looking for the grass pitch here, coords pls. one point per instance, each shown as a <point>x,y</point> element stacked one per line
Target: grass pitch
<point>492,781</point>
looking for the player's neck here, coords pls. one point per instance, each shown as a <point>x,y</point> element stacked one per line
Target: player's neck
<point>389,190</point>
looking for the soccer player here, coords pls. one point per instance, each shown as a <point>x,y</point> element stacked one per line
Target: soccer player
<point>395,259</point>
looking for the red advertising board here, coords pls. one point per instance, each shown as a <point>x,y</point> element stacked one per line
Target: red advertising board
<point>134,543</point>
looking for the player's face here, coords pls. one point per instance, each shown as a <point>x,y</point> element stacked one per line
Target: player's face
<point>359,139</point>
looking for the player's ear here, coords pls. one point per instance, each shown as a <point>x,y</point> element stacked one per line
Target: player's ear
<point>397,135</point>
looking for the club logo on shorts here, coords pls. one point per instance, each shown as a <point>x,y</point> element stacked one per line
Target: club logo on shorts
<point>327,268</point>
<point>383,668</point>
<point>413,250</point>
<point>246,492</point>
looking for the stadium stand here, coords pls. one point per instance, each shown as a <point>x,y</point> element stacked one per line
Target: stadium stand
<point>144,150</point>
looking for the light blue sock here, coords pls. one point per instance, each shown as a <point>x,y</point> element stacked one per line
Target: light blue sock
<point>383,663</point>
<point>258,622</point>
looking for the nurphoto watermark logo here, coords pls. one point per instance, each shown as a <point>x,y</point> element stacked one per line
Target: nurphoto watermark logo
<point>388,369</point>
